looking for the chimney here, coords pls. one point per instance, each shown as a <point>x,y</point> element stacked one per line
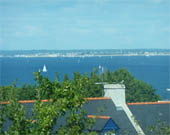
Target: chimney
<point>116,92</point>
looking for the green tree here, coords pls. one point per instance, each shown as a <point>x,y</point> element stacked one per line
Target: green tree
<point>16,113</point>
<point>136,90</point>
<point>45,88</point>
<point>2,115</point>
<point>66,78</point>
<point>26,92</point>
<point>66,98</point>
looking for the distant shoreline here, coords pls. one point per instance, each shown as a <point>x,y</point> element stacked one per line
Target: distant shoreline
<point>85,53</point>
<point>79,56</point>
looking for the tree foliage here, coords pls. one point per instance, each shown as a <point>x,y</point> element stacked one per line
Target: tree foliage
<point>136,90</point>
<point>64,100</point>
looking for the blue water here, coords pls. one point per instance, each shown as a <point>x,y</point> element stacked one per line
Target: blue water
<point>154,70</point>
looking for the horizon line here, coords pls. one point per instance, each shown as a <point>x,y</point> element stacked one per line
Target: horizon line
<point>83,49</point>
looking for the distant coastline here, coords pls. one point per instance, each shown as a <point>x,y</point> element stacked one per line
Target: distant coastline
<point>80,56</point>
<point>85,53</point>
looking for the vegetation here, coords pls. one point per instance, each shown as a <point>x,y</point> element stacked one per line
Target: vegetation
<point>65,100</point>
<point>136,90</point>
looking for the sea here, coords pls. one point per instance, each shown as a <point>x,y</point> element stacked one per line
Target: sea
<point>154,70</point>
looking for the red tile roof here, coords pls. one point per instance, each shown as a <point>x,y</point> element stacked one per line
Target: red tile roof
<point>149,103</point>
<point>92,99</point>
<point>25,101</point>
<point>98,98</point>
<point>45,100</point>
<point>99,117</point>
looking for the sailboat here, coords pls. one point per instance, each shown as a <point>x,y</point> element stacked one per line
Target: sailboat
<point>44,69</point>
<point>168,89</point>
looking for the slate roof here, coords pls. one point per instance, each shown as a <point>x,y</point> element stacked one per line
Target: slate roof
<point>98,107</point>
<point>107,108</point>
<point>99,125</point>
<point>105,124</point>
<point>148,114</point>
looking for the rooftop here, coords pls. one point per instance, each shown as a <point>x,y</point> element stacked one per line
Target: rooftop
<point>91,99</point>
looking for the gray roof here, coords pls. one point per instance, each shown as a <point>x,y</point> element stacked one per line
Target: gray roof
<point>150,114</point>
<point>146,114</point>
<point>107,108</point>
<point>99,124</point>
<point>98,108</point>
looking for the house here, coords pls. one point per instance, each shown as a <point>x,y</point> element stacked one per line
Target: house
<point>114,117</point>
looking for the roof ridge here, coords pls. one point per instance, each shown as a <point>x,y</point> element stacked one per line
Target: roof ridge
<point>149,103</point>
<point>98,98</point>
<point>90,99</point>
<point>46,100</point>
<point>25,101</point>
<point>99,116</point>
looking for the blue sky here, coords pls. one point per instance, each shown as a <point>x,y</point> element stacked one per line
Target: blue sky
<point>84,24</point>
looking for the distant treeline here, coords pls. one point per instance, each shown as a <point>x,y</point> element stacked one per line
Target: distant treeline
<point>136,90</point>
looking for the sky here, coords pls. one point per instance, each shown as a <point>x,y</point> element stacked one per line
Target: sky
<point>84,24</point>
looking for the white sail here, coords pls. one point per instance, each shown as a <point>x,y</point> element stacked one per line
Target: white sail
<point>44,69</point>
<point>168,89</point>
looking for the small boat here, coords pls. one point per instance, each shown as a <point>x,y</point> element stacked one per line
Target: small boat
<point>44,69</point>
<point>168,89</point>
<point>147,55</point>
